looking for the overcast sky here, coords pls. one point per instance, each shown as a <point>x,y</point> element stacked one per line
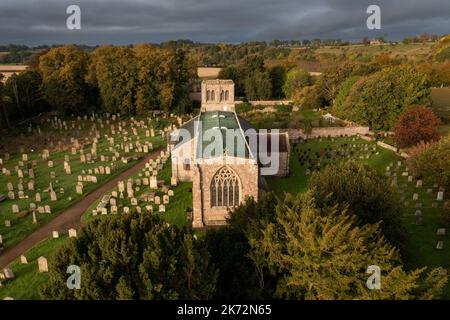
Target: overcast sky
<point>35,22</point>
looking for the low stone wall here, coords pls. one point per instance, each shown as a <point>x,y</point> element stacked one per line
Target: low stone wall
<point>387,146</point>
<point>270,102</point>
<point>295,134</point>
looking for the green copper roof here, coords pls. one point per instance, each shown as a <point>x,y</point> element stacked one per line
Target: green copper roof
<point>224,126</point>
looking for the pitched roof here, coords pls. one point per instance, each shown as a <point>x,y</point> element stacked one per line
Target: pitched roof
<point>221,125</point>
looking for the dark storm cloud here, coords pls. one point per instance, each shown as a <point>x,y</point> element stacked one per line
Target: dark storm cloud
<point>44,21</point>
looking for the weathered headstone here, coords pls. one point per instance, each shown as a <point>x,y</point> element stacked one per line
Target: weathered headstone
<point>72,233</point>
<point>9,274</point>
<point>42,264</point>
<point>23,259</point>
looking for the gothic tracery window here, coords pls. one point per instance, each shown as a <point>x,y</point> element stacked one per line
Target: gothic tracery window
<point>224,189</point>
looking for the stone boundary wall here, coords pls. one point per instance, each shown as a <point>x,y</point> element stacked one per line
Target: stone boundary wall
<point>295,134</point>
<point>267,102</point>
<point>387,146</point>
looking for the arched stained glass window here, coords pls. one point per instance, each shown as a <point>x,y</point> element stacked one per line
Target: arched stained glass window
<point>224,189</point>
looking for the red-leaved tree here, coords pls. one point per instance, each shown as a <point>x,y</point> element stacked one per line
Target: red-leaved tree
<point>417,124</point>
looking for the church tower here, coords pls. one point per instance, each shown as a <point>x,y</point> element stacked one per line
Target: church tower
<point>217,95</point>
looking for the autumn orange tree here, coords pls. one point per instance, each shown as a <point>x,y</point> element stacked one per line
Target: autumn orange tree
<point>417,124</point>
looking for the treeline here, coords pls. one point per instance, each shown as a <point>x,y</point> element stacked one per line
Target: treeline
<point>112,78</point>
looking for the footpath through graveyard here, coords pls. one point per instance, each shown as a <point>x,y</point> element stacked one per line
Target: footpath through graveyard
<point>70,217</point>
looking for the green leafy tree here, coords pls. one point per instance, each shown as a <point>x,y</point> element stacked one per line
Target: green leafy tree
<point>309,97</point>
<point>25,92</point>
<point>296,80</point>
<point>4,100</point>
<point>258,86</point>
<point>133,256</point>
<point>432,162</point>
<point>114,72</point>
<point>277,78</point>
<point>344,90</point>
<point>63,72</point>
<point>320,252</point>
<point>238,278</point>
<point>379,99</point>
<point>367,195</point>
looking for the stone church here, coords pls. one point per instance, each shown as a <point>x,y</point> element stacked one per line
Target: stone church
<point>214,151</point>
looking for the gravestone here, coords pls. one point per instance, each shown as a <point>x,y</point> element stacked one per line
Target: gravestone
<point>162,208</point>
<point>55,234</point>
<point>441,232</point>
<point>43,264</point>
<point>165,199</point>
<point>9,274</point>
<point>15,208</point>
<point>173,181</point>
<point>419,183</point>
<point>23,259</point>
<point>153,182</point>
<point>53,196</point>
<point>157,200</point>
<point>415,196</point>
<point>72,233</point>
<point>440,196</point>
<point>418,215</point>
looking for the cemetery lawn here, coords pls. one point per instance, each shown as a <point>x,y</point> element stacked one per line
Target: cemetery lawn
<point>297,181</point>
<point>176,208</point>
<point>21,223</point>
<point>27,279</point>
<point>423,238</point>
<point>25,285</point>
